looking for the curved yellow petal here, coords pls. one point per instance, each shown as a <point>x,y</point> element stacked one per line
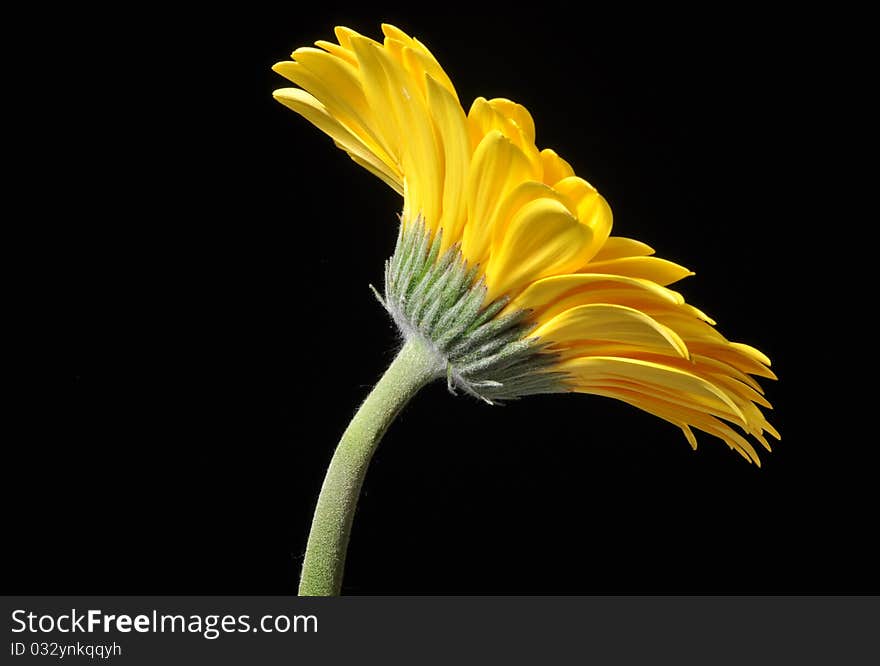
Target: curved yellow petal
<point>516,113</point>
<point>483,118</point>
<point>388,179</point>
<point>716,367</point>
<point>542,239</point>
<point>335,84</point>
<point>683,417</point>
<point>315,112</point>
<point>604,323</point>
<point>450,126</point>
<point>546,294</point>
<point>394,32</point>
<point>338,51</point>
<point>497,167</point>
<point>418,54</point>
<point>663,381</point>
<point>589,206</point>
<point>408,126</point>
<point>691,328</point>
<point>344,36</point>
<point>514,200</point>
<point>750,351</point>
<point>661,271</point>
<point>617,247</point>
<point>726,352</point>
<point>379,94</point>
<point>555,168</point>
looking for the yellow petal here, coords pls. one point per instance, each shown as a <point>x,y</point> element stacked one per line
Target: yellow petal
<point>344,37</point>
<point>394,50</point>
<point>574,190</point>
<point>392,181</point>
<point>516,113</point>
<point>377,93</point>
<point>542,239</point>
<point>716,367</point>
<point>514,200</point>
<point>496,168</point>
<point>589,206</point>
<point>689,435</point>
<point>450,125</point>
<point>744,392</point>
<point>338,51</point>
<point>581,288</point>
<point>733,381</point>
<point>726,352</point>
<point>315,112</point>
<point>555,168</point>
<point>394,32</point>
<point>684,417</point>
<point>657,270</point>
<point>752,352</point>
<point>673,384</point>
<point>481,121</point>
<point>420,53</point>
<point>408,126</point>
<point>691,328</point>
<point>484,118</point>
<point>687,308</point>
<point>652,303</point>
<point>335,84</point>
<point>614,324</point>
<point>617,247</point>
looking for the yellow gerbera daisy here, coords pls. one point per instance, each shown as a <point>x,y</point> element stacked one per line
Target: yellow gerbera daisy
<point>538,234</point>
<point>506,279</point>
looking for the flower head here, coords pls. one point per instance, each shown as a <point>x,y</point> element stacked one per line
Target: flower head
<point>505,263</point>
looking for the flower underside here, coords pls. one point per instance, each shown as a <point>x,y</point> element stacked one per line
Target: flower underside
<point>441,299</point>
<point>505,263</point>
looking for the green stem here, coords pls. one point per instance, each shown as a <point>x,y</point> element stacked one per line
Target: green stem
<point>414,366</point>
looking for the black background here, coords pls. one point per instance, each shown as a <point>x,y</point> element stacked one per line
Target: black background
<point>216,251</point>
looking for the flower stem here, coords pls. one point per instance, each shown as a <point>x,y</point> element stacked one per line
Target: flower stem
<point>414,366</point>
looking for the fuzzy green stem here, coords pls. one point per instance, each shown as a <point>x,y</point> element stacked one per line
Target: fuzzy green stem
<point>414,366</point>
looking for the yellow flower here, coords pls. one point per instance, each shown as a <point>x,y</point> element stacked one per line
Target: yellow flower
<point>531,237</point>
